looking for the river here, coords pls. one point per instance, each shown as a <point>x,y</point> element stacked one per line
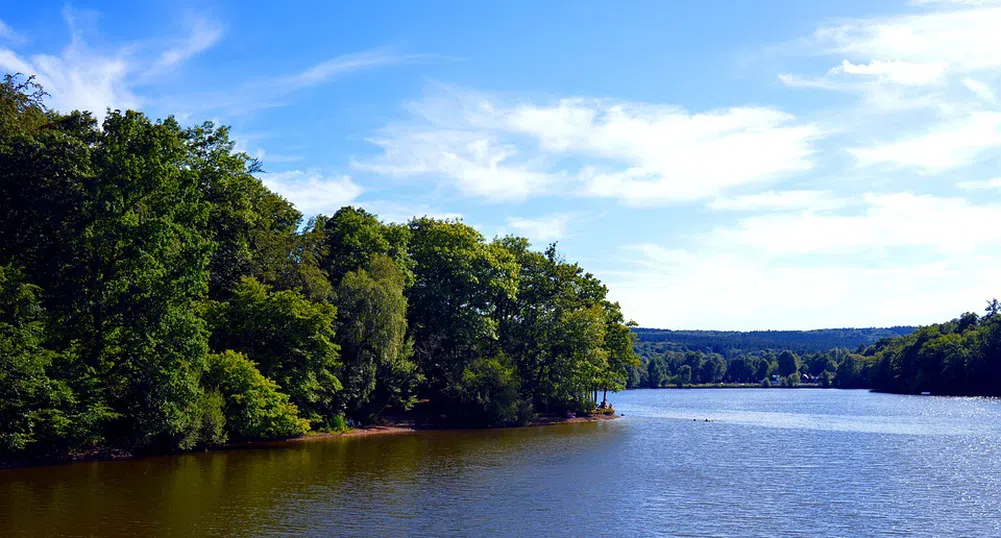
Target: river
<point>779,462</point>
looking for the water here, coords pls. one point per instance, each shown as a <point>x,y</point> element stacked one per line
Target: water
<point>771,463</point>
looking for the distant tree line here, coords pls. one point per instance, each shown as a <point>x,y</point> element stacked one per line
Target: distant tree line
<point>156,296</point>
<point>733,343</point>
<point>676,368</point>
<point>959,357</point>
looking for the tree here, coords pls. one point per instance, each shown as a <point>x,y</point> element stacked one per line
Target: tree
<point>489,393</point>
<point>851,372</point>
<point>655,373</point>
<point>763,369</point>
<point>684,376</point>
<point>352,237</point>
<point>788,363</point>
<point>713,369</point>
<point>31,403</point>
<point>371,332</point>
<point>459,282</point>
<point>135,271</point>
<point>254,408</point>
<point>288,337</point>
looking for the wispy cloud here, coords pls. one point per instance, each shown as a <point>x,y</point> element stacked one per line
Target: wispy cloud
<point>9,34</point>
<point>277,90</point>
<point>980,185</point>
<point>943,146</point>
<point>94,79</point>
<point>925,82</point>
<point>815,269</point>
<point>541,230</point>
<point>638,153</point>
<point>347,63</point>
<point>203,34</point>
<point>311,192</point>
<point>781,201</point>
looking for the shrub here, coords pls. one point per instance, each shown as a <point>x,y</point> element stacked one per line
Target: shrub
<point>254,408</point>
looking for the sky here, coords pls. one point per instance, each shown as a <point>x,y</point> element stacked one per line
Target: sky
<point>777,164</point>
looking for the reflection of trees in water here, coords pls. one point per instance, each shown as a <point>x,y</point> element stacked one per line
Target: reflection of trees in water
<point>253,491</point>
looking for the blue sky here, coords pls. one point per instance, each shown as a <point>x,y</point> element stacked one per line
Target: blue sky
<point>719,164</point>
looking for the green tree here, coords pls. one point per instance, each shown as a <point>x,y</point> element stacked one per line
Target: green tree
<point>371,331</point>
<point>459,280</point>
<point>763,369</point>
<point>31,403</point>
<point>288,337</point>
<point>788,363</point>
<point>684,376</point>
<point>253,406</point>
<point>488,393</point>
<point>352,237</point>
<point>713,369</point>
<point>655,373</point>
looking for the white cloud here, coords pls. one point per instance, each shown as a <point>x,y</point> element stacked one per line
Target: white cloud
<point>947,145</point>
<point>541,230</point>
<point>478,163</point>
<point>981,90</point>
<point>780,201</point>
<point>964,39</point>
<point>894,71</point>
<point>718,291</point>
<point>639,153</point>
<point>312,192</point>
<point>86,78</point>
<point>9,34</point>
<point>203,34</point>
<point>889,221</point>
<point>327,69</point>
<point>906,258</point>
<point>980,185</point>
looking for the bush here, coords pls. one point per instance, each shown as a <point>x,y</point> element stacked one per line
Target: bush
<point>489,393</point>
<point>338,424</point>
<point>208,427</point>
<point>254,408</point>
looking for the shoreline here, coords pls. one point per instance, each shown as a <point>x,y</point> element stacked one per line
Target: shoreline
<point>735,386</point>
<point>406,427</point>
<point>391,427</point>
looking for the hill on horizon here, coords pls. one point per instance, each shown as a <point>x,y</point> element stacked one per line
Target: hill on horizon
<point>734,342</point>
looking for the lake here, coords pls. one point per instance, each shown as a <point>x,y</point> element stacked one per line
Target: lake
<point>804,462</point>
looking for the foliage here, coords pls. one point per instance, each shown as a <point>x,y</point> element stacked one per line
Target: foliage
<point>253,406</point>
<point>489,393</point>
<point>155,296</point>
<point>733,343</point>
<point>288,337</point>
<point>371,331</point>
<point>960,357</point>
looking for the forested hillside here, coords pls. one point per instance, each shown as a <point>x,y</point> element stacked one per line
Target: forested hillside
<point>155,296</point>
<point>959,357</point>
<point>732,343</point>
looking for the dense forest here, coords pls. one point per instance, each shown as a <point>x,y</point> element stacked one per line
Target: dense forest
<point>766,367</point>
<point>156,296</point>
<point>959,357</point>
<point>733,343</point>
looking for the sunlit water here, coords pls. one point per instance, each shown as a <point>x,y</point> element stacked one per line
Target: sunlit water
<point>770,463</point>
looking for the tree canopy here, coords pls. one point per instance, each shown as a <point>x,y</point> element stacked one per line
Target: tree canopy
<point>155,295</point>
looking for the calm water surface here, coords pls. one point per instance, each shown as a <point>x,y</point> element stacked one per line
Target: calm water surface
<point>771,463</point>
